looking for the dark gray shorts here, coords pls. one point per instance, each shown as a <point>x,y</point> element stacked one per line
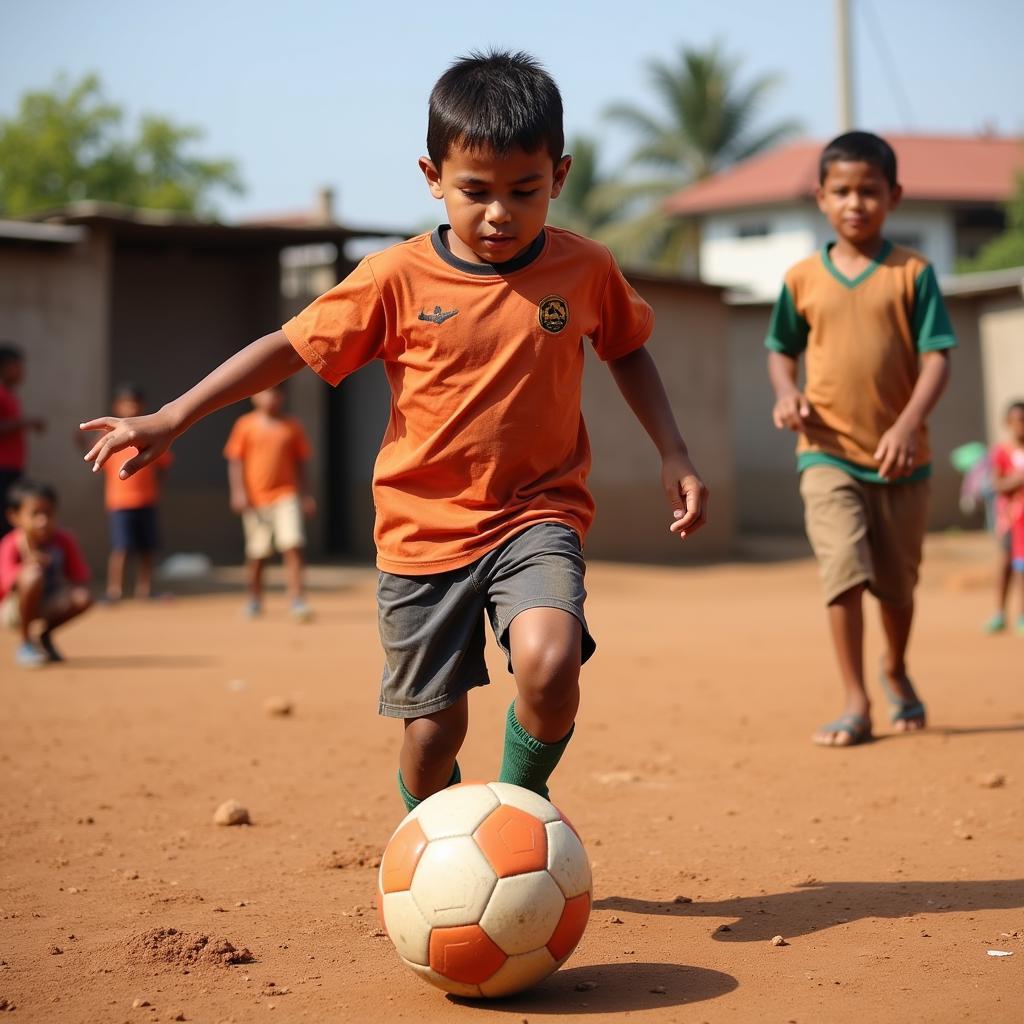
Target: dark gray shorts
<point>432,627</point>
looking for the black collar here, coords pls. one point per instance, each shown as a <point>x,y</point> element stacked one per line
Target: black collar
<point>524,259</point>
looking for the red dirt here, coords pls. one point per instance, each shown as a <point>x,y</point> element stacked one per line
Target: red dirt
<point>712,823</point>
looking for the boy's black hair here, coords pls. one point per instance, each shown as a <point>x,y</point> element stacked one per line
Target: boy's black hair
<point>18,493</point>
<point>10,353</point>
<point>128,390</point>
<point>862,147</point>
<point>495,100</point>
<point>1017,405</point>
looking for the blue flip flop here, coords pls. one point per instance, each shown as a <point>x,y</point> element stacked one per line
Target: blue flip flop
<point>904,710</point>
<point>857,727</point>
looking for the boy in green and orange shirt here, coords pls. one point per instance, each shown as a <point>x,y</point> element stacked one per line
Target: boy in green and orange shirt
<point>870,320</point>
<point>480,483</point>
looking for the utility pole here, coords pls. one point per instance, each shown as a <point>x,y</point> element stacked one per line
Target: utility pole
<point>844,66</point>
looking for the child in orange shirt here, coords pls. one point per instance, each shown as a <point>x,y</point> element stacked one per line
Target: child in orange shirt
<point>132,507</point>
<point>43,575</point>
<point>266,453</point>
<point>480,484</point>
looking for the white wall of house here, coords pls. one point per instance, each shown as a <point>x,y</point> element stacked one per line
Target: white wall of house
<point>753,248</point>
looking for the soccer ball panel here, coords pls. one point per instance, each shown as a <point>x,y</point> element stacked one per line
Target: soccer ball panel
<point>519,972</point>
<point>567,860</point>
<point>466,955</point>
<point>569,929</point>
<point>398,865</point>
<point>523,912</point>
<point>456,988</point>
<point>456,811</point>
<point>513,841</point>
<point>525,800</point>
<point>453,882</point>
<point>406,927</point>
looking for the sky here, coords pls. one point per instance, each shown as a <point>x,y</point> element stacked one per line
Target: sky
<point>314,93</point>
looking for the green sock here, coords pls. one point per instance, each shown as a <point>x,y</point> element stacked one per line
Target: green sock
<point>526,761</point>
<point>411,801</point>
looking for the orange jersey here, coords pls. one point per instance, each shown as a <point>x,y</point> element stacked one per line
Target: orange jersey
<point>139,490</point>
<point>270,450</point>
<point>485,363</point>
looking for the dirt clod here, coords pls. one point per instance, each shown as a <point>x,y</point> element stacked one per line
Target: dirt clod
<point>778,940</point>
<point>586,986</point>
<point>137,1004</point>
<point>992,780</point>
<point>174,948</point>
<point>231,812</point>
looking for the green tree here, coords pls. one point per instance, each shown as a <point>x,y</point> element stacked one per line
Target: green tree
<point>576,208</point>
<point>1008,249</point>
<point>708,120</point>
<point>68,143</point>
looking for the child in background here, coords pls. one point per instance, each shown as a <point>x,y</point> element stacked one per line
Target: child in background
<point>870,319</point>
<point>132,507</point>
<point>1008,482</point>
<point>266,454</point>
<point>42,573</point>
<point>13,423</point>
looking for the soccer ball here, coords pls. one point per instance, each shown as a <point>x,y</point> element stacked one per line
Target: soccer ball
<point>484,889</point>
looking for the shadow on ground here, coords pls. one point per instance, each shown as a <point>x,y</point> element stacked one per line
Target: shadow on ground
<point>819,905</point>
<point>612,988</point>
<point>115,661</point>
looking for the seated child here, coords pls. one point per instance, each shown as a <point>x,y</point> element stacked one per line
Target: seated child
<point>42,573</point>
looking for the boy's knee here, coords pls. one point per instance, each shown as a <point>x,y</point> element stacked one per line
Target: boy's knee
<point>547,672</point>
<point>434,736</point>
<point>81,599</point>
<point>30,578</point>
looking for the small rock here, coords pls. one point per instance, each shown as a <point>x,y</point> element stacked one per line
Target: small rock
<point>778,940</point>
<point>73,889</point>
<point>659,990</point>
<point>278,707</point>
<point>682,899</point>
<point>723,928</point>
<point>992,780</point>
<point>55,951</point>
<point>176,1016</point>
<point>586,986</point>
<point>130,875</point>
<point>139,1003</point>
<point>231,812</point>
<point>615,920</point>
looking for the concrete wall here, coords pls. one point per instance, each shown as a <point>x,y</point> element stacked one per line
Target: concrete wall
<point>54,304</point>
<point>1001,323</point>
<point>767,500</point>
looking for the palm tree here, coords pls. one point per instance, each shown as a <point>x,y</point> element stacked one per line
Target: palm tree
<point>708,122</point>
<point>574,208</point>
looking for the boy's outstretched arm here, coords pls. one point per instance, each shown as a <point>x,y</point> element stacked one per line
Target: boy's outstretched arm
<point>266,362</point>
<point>638,379</point>
<point>791,406</point>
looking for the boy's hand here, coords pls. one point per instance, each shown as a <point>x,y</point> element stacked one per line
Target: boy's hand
<point>686,493</point>
<point>151,435</point>
<point>896,452</point>
<point>239,503</point>
<point>308,506</point>
<point>790,411</point>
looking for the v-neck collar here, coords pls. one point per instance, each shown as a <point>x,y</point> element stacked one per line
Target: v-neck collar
<point>851,282</point>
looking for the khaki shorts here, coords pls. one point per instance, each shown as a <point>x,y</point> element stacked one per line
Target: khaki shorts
<point>865,533</point>
<point>273,526</point>
<point>54,606</point>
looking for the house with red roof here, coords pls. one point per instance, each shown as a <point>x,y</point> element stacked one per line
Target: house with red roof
<point>759,217</point>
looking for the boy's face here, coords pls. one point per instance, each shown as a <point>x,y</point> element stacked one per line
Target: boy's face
<point>126,406</point>
<point>1015,424</point>
<point>36,518</point>
<point>12,373</point>
<point>269,402</point>
<point>496,205</point>
<point>856,198</point>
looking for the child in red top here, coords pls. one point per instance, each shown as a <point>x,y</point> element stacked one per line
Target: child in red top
<point>1008,481</point>
<point>132,507</point>
<point>13,422</point>
<point>42,573</point>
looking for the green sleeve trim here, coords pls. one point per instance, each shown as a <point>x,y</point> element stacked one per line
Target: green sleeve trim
<point>930,322</point>
<point>788,330</point>
<point>869,476</point>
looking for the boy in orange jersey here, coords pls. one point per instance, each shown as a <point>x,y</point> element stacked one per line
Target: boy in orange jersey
<point>480,483</point>
<point>132,507</point>
<point>266,453</point>
<point>870,318</point>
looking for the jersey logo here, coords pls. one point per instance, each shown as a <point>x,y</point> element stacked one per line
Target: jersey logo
<point>553,313</point>
<point>438,316</point>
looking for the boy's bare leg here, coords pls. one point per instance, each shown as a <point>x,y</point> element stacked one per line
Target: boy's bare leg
<point>896,622</point>
<point>144,575</point>
<point>1003,578</point>
<point>29,585</point>
<point>293,573</point>
<point>255,567</point>
<point>429,748</point>
<point>78,601</point>
<point>115,575</point>
<point>546,647</point>
<point>846,621</point>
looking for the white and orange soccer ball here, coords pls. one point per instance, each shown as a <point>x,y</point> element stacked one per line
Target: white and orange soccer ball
<point>484,889</point>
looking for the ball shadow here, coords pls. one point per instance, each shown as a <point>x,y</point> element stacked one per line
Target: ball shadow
<point>612,988</point>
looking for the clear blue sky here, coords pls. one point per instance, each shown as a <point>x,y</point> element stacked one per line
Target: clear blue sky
<point>317,92</point>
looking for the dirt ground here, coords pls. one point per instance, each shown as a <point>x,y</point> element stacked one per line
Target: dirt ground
<point>890,869</point>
